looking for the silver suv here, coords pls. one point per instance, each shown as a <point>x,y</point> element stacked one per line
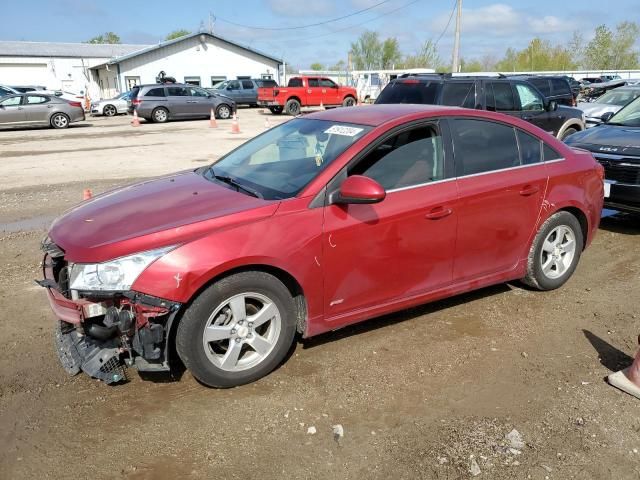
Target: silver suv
<point>171,101</point>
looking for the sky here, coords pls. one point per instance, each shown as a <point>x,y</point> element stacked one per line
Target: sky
<point>488,27</point>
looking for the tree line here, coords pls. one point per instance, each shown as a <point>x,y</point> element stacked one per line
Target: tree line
<point>114,38</point>
<point>607,50</point>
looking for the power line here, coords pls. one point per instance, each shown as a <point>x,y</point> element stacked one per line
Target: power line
<point>253,27</point>
<point>453,10</point>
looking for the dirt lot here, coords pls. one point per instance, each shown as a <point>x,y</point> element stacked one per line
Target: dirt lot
<point>423,394</point>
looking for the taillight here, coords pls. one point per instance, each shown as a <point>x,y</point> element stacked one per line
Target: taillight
<point>275,92</point>
<point>410,81</point>
<point>75,104</point>
<point>136,101</point>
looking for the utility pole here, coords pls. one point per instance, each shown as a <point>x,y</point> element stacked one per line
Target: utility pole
<point>211,21</point>
<point>455,63</point>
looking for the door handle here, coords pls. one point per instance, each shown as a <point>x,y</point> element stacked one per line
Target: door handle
<point>438,212</point>
<point>49,106</point>
<point>529,190</point>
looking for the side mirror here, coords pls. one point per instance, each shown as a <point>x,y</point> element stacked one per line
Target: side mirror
<point>606,117</point>
<point>552,106</point>
<point>359,189</point>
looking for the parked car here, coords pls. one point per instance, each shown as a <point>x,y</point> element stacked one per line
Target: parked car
<point>113,106</point>
<point>171,101</point>
<point>4,91</point>
<point>31,109</point>
<point>243,92</point>
<point>28,88</point>
<point>513,96</point>
<point>306,91</point>
<point>300,230</point>
<point>616,145</point>
<point>612,101</point>
<point>591,92</point>
<point>555,88</point>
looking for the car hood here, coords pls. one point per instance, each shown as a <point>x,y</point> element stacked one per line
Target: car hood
<point>165,211</point>
<point>613,139</point>
<point>594,109</point>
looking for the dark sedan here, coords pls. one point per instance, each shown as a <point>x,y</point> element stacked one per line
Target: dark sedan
<point>616,145</point>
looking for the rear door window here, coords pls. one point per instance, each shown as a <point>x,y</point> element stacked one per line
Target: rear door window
<point>482,146</point>
<point>178,92</point>
<point>154,92</point>
<point>560,87</point>
<point>247,84</point>
<point>459,94</point>
<point>35,99</point>
<point>503,95</point>
<point>550,153</point>
<point>313,82</point>
<point>295,82</point>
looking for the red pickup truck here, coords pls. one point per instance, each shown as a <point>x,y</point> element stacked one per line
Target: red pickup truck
<point>306,92</point>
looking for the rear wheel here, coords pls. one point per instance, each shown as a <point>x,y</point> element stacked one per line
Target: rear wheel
<point>276,110</point>
<point>292,107</point>
<point>223,111</point>
<point>59,120</point>
<point>109,111</point>
<point>238,330</point>
<point>160,115</point>
<point>567,132</point>
<point>555,252</point>
<point>349,102</point>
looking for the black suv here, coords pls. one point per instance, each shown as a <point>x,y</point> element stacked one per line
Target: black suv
<point>512,96</point>
<point>553,88</point>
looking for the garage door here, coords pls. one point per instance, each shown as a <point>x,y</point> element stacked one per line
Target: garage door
<point>23,74</point>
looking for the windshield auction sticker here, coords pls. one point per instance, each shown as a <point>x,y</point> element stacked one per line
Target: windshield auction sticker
<point>344,130</point>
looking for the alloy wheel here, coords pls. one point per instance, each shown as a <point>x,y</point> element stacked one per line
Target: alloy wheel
<point>558,251</point>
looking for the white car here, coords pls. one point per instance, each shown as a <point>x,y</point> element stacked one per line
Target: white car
<point>111,107</point>
<point>612,101</point>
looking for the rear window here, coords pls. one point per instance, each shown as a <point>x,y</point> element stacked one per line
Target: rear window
<point>295,82</point>
<point>459,94</point>
<point>541,84</point>
<point>155,92</point>
<point>408,91</point>
<point>560,86</point>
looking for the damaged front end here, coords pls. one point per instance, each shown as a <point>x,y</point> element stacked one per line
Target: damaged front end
<point>103,332</point>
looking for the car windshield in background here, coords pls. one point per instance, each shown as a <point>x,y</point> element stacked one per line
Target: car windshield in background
<point>407,91</point>
<point>617,98</point>
<point>629,116</point>
<point>280,162</point>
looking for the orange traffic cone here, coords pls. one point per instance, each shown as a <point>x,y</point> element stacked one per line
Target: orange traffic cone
<point>212,120</point>
<point>136,121</point>
<point>628,380</point>
<point>235,127</point>
<point>321,105</point>
<point>267,123</point>
<point>86,194</point>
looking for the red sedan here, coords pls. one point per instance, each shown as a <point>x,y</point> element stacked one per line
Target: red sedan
<point>316,224</point>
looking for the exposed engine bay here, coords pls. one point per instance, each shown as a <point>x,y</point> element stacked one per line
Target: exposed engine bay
<point>102,333</point>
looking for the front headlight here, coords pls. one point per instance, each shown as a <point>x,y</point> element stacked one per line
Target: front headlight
<point>114,275</point>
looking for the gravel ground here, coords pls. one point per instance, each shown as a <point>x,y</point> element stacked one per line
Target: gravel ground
<point>427,393</point>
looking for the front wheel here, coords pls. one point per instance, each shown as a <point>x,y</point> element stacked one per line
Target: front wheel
<point>109,111</point>
<point>555,252</point>
<point>238,330</point>
<point>276,110</point>
<point>349,102</point>
<point>223,111</point>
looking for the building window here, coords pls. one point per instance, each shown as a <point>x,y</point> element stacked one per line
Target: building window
<point>192,81</point>
<point>131,82</point>
<point>217,79</point>
<point>266,76</point>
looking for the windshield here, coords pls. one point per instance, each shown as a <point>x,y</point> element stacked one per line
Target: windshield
<point>221,85</point>
<point>618,97</point>
<point>279,163</point>
<point>629,116</point>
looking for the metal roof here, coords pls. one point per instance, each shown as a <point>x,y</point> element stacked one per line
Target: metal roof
<point>73,50</point>
<point>181,39</point>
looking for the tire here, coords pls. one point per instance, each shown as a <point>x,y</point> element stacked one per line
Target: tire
<point>160,115</point>
<point>212,362</point>
<point>223,111</point>
<point>349,102</point>
<point>567,132</point>
<point>109,111</point>
<point>292,107</point>
<point>276,110</point>
<point>59,120</point>
<point>551,261</point>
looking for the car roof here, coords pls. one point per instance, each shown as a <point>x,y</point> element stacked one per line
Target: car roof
<point>375,115</point>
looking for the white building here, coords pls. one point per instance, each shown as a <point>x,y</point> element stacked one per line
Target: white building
<point>103,71</point>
